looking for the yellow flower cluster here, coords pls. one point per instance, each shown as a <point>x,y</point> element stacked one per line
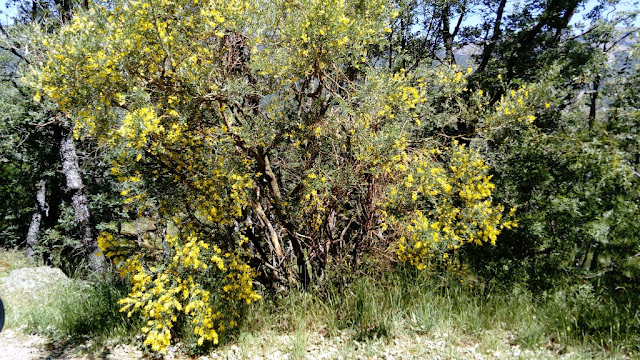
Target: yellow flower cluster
<point>379,132</point>
<point>514,106</point>
<point>403,93</point>
<point>137,125</point>
<point>313,34</point>
<point>106,241</point>
<point>449,201</point>
<point>161,292</point>
<point>239,285</point>
<point>452,79</point>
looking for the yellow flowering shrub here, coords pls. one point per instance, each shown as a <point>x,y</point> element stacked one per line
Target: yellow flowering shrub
<point>181,285</point>
<point>262,138</point>
<point>175,89</point>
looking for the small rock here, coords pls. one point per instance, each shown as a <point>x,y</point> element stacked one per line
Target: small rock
<point>34,280</point>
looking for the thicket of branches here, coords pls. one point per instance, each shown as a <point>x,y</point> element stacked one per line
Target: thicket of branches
<point>204,147</point>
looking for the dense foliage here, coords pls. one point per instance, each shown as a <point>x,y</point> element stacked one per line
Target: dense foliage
<point>258,145</point>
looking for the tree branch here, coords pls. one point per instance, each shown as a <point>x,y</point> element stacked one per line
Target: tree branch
<point>12,49</point>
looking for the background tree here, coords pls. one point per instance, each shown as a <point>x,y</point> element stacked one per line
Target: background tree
<point>34,125</point>
<point>567,174</point>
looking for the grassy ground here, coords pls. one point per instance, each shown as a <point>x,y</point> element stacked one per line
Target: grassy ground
<point>436,316</point>
<point>75,311</point>
<point>401,315</point>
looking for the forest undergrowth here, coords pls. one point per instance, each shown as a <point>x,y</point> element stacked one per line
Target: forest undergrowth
<point>365,315</point>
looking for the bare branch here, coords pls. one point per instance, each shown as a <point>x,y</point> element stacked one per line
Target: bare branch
<point>12,49</point>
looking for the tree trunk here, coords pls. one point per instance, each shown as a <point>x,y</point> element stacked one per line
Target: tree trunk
<point>40,208</point>
<point>594,102</point>
<point>447,36</point>
<point>487,52</point>
<point>79,201</point>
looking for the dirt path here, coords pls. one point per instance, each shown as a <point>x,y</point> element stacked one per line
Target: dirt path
<point>15,345</point>
<point>272,346</point>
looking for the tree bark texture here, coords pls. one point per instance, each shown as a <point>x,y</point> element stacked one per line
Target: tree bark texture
<point>41,208</point>
<point>79,201</point>
<point>447,36</point>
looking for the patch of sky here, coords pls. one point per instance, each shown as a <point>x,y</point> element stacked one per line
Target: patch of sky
<point>8,11</point>
<point>582,16</point>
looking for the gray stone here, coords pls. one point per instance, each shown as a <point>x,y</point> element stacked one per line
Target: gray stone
<point>34,281</point>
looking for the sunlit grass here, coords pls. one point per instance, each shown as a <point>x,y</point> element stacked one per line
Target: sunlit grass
<point>371,314</point>
<point>403,306</point>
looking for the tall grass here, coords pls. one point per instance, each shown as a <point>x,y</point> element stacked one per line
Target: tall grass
<point>405,302</point>
<point>77,311</point>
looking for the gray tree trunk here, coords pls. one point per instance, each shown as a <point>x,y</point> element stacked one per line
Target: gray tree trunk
<point>79,201</point>
<point>40,208</point>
